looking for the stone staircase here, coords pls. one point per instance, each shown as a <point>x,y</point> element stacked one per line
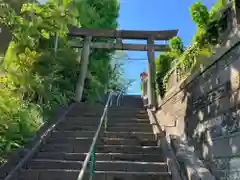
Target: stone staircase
<point>127,151</point>
<point>131,101</point>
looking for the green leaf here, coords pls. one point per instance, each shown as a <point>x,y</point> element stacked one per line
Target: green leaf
<point>45,34</point>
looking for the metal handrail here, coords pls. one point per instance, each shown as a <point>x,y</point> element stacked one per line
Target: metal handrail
<point>118,98</point>
<point>91,152</point>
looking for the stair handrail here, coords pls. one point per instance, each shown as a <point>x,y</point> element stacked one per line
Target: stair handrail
<point>91,153</point>
<point>118,98</point>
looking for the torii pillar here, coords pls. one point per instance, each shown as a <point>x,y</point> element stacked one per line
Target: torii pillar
<point>151,73</point>
<point>150,36</point>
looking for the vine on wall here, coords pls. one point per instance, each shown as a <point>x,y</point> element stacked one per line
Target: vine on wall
<point>164,63</point>
<point>210,24</point>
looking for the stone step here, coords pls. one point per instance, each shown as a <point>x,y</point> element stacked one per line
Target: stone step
<point>136,135</point>
<point>123,107</point>
<point>111,122</point>
<point>127,111</point>
<point>77,113</point>
<point>114,120</point>
<point>127,166</point>
<point>116,108</point>
<point>72,127</point>
<point>102,141</point>
<point>79,148</point>
<point>101,156</point>
<point>110,110</point>
<point>131,103</point>
<point>128,118</point>
<point>141,136</point>
<point>93,117</point>
<point>123,112</point>
<point>62,134</point>
<point>129,149</point>
<point>223,174</point>
<point>123,115</point>
<point>131,129</point>
<point>99,175</point>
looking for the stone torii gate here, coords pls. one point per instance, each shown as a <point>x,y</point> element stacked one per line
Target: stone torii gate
<point>150,47</point>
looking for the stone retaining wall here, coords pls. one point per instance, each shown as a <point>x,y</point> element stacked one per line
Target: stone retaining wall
<point>204,110</point>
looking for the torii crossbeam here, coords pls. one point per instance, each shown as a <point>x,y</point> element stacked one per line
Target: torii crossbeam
<point>150,47</point>
<point>123,34</point>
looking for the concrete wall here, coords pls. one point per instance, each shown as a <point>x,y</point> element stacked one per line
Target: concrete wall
<point>204,109</point>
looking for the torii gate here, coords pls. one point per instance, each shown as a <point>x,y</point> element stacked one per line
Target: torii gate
<point>150,47</point>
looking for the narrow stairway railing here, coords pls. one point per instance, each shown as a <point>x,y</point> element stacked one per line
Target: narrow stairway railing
<point>119,97</point>
<point>91,153</point>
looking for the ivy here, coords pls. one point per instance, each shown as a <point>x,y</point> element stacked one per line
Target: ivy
<point>200,14</point>
<point>210,25</point>
<point>164,63</point>
<point>176,46</point>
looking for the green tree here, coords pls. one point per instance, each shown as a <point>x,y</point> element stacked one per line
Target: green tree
<point>35,26</point>
<point>116,80</point>
<point>163,65</point>
<point>33,78</point>
<point>176,46</point>
<point>164,62</point>
<point>199,14</point>
<point>98,14</point>
<point>210,24</point>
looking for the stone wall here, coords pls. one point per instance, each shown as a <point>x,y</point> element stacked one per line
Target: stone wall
<point>204,110</point>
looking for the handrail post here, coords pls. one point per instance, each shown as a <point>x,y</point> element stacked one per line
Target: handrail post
<point>93,161</point>
<point>106,122</point>
<point>110,102</point>
<point>119,97</point>
<point>91,153</point>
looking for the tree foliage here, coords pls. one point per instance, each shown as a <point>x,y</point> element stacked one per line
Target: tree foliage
<point>34,78</point>
<point>176,46</point>
<point>31,76</point>
<point>210,25</point>
<point>164,63</point>
<point>100,70</point>
<point>200,14</point>
<point>117,82</point>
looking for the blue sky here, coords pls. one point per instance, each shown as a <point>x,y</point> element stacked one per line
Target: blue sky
<point>154,15</point>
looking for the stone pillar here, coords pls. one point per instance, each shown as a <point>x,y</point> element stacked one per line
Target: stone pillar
<point>151,73</point>
<point>154,81</point>
<point>84,68</point>
<point>144,82</point>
